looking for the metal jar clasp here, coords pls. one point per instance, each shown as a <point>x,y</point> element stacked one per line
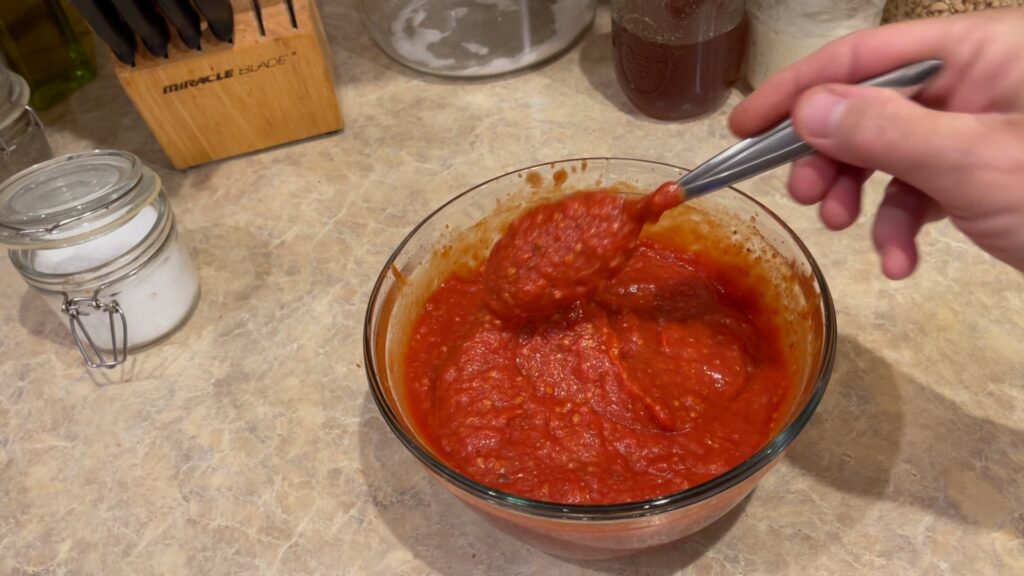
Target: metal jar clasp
<point>93,355</point>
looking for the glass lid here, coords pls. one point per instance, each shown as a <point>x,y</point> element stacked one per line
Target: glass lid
<point>73,198</point>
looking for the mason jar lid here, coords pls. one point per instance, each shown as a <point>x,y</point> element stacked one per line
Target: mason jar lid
<point>71,199</point>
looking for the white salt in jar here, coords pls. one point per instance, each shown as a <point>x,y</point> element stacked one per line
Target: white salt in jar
<point>95,235</point>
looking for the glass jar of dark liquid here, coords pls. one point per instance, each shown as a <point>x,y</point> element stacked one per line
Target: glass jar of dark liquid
<point>677,59</point>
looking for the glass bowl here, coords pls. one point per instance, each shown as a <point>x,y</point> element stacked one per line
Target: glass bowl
<point>460,233</point>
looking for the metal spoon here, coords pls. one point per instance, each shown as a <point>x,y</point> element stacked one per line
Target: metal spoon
<point>781,144</point>
<point>560,252</point>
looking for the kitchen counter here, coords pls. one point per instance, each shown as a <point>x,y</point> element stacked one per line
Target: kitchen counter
<point>248,442</point>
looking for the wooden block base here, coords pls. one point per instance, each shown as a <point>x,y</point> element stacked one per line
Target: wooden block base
<point>273,85</point>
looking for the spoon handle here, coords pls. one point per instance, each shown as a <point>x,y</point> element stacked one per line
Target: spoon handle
<point>780,144</point>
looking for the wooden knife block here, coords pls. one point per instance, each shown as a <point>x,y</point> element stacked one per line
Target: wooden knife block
<point>271,86</point>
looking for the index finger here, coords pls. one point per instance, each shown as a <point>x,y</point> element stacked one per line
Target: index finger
<point>850,59</point>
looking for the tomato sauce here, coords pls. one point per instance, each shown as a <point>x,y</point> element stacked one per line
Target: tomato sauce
<point>561,252</point>
<point>662,374</point>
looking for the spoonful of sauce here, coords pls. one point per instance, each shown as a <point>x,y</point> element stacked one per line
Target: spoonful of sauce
<point>561,252</point>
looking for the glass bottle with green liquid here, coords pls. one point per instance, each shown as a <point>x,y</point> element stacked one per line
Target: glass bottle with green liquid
<point>49,44</point>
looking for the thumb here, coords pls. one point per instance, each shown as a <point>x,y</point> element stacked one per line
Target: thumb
<point>881,129</point>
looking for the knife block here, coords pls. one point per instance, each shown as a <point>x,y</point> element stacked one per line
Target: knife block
<point>272,85</point>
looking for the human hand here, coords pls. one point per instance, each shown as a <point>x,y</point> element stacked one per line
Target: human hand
<point>957,151</point>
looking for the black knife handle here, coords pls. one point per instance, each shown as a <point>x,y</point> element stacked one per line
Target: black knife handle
<point>219,16</point>
<point>184,18</point>
<point>147,23</point>
<point>108,25</point>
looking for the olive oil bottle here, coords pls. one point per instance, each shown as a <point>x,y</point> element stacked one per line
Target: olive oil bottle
<point>50,45</point>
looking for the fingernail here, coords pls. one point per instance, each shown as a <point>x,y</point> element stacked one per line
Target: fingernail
<point>897,264</point>
<point>820,114</point>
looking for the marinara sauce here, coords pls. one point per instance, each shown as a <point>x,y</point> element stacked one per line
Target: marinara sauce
<point>666,374</point>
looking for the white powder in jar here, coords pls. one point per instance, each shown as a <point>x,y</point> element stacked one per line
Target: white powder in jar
<point>155,300</point>
<point>784,31</point>
<point>97,251</point>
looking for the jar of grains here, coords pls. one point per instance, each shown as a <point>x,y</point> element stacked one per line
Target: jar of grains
<point>897,10</point>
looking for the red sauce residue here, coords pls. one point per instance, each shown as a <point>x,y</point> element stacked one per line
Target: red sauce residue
<point>560,176</point>
<point>534,179</point>
<point>670,373</point>
<point>401,278</point>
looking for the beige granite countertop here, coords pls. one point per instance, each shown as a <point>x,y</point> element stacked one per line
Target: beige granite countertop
<point>248,442</point>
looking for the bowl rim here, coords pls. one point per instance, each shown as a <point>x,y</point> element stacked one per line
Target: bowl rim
<point>626,510</point>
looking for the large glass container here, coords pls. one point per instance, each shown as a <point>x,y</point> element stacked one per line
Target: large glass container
<point>472,38</point>
<point>462,231</point>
